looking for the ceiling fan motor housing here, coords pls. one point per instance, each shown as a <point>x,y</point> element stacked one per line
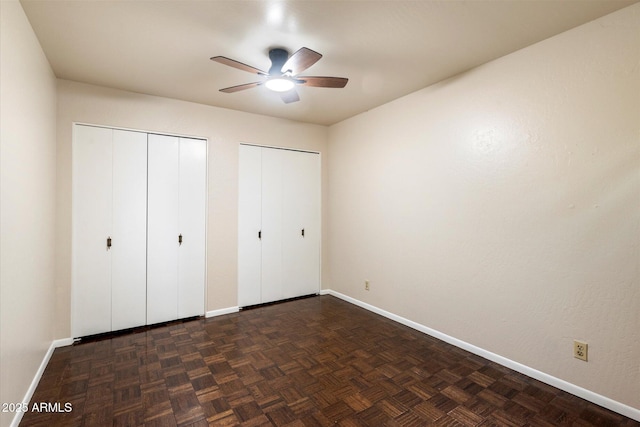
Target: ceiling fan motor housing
<point>278,57</point>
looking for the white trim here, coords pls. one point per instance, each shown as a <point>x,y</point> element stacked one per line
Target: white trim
<point>62,342</point>
<point>591,396</point>
<point>36,379</point>
<point>275,147</point>
<point>222,311</point>
<point>155,132</point>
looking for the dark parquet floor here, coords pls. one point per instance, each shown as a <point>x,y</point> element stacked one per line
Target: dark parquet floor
<point>312,362</point>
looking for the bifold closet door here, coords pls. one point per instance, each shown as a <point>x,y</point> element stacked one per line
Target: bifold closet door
<point>249,226</point>
<point>129,239</point>
<point>92,216</point>
<point>109,229</point>
<point>278,224</point>
<point>259,226</point>
<point>162,228</point>
<point>176,228</point>
<point>272,225</point>
<point>191,223</point>
<point>301,223</point>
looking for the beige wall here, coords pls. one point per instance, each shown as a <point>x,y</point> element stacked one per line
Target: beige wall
<point>27,204</point>
<point>225,129</point>
<point>502,206</point>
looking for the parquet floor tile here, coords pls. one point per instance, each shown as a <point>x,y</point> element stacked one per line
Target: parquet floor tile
<point>311,362</point>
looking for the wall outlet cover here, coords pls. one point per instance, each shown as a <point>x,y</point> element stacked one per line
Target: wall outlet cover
<point>580,350</point>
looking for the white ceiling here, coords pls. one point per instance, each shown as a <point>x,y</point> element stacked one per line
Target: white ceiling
<point>387,49</point>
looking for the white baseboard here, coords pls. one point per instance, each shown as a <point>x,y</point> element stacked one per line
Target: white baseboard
<point>222,311</point>
<point>585,394</point>
<point>36,379</point>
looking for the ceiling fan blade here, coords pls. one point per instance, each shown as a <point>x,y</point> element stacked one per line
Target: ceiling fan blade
<point>240,87</point>
<point>302,59</point>
<point>290,96</point>
<point>239,65</point>
<point>315,81</point>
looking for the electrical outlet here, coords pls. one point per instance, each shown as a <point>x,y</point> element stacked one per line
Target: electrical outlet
<point>366,285</point>
<point>580,350</point>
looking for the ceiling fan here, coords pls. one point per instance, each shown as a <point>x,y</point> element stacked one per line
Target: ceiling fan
<point>283,75</point>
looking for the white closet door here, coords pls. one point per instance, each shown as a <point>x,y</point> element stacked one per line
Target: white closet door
<point>162,228</point>
<point>129,236</point>
<point>249,225</point>
<point>191,253</point>
<point>301,223</point>
<point>92,207</point>
<point>272,289</point>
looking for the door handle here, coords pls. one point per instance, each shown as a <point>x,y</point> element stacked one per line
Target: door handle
<point>303,232</point>
<point>260,234</point>
<point>108,242</point>
<point>180,239</point>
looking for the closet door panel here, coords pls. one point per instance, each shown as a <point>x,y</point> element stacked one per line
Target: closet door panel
<point>272,288</point>
<point>92,207</point>
<point>192,208</point>
<point>311,209</point>
<point>301,223</point>
<point>249,225</point>
<point>293,224</point>
<point>162,231</point>
<point>129,237</point>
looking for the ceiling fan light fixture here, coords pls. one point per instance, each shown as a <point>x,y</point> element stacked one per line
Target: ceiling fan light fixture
<point>279,84</point>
